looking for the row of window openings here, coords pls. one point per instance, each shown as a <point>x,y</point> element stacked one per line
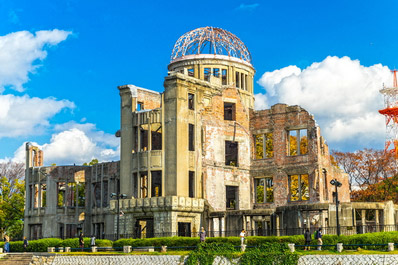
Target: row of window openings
<point>229,108</point>
<point>156,184</point>
<point>207,72</point>
<point>68,194</point>
<point>298,189</point>
<point>297,142</point>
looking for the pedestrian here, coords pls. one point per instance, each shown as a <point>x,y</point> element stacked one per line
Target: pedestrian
<point>242,236</point>
<point>92,242</point>
<point>307,238</point>
<point>25,243</point>
<point>202,234</point>
<point>6,244</point>
<point>318,236</point>
<point>81,241</point>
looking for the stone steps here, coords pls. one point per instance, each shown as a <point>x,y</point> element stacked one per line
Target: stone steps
<point>16,259</point>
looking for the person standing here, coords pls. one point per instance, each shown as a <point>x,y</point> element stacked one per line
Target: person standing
<point>92,241</point>
<point>307,238</point>
<point>202,234</point>
<point>81,241</point>
<point>242,236</point>
<point>319,238</point>
<point>25,243</point>
<point>6,244</point>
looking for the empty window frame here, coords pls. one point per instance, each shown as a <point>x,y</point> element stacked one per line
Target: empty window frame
<point>299,187</point>
<point>216,72</point>
<point>242,81</point>
<point>140,106</point>
<point>264,145</point>
<point>191,101</point>
<point>224,76</point>
<point>297,142</point>
<point>232,197</point>
<point>191,72</point>
<point>156,129</point>
<point>231,153</point>
<point>156,189</point>
<point>206,74</point>
<point>237,81</point>
<point>135,140</point>
<point>191,137</point>
<point>264,190</point>
<point>191,184</point>
<point>144,139</point>
<point>144,184</point>
<point>61,194</point>
<point>229,111</point>
<point>135,185</point>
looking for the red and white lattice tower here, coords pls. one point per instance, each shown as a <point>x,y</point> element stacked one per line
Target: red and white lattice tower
<point>391,113</point>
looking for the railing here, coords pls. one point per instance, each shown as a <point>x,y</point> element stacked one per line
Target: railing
<point>344,230</point>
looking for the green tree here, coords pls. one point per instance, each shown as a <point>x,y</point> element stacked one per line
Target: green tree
<point>93,162</point>
<point>12,202</point>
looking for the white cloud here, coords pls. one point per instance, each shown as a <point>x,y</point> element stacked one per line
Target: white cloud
<point>75,146</point>
<point>20,52</point>
<point>23,115</point>
<point>341,93</point>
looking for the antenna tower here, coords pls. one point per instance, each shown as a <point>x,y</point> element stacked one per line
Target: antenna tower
<point>391,113</point>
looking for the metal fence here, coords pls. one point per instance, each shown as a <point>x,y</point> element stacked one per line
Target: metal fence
<point>344,230</point>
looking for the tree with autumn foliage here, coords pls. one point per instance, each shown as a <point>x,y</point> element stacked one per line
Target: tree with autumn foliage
<point>386,190</point>
<point>366,168</point>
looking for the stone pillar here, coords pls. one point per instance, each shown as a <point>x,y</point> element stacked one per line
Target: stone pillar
<point>1,250</point>
<point>390,247</point>
<point>126,132</point>
<point>67,249</point>
<point>93,249</point>
<point>242,248</point>
<point>363,221</point>
<point>163,249</point>
<point>222,224</point>
<point>51,249</point>
<point>291,247</point>
<point>339,247</point>
<point>216,227</point>
<point>126,249</point>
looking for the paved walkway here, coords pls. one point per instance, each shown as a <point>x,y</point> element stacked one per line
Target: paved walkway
<point>118,260</point>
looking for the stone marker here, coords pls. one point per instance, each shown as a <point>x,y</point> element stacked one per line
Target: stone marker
<point>242,248</point>
<point>291,247</point>
<point>126,249</point>
<point>51,249</point>
<point>339,247</point>
<point>67,249</point>
<point>60,249</point>
<point>390,246</point>
<point>93,249</point>
<point>163,249</point>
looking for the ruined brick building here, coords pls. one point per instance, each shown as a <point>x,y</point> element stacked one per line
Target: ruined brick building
<point>198,154</point>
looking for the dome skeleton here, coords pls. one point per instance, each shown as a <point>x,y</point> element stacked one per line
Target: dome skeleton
<point>215,41</point>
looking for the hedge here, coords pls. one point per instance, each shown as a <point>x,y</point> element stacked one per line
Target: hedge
<point>361,240</point>
<point>41,245</point>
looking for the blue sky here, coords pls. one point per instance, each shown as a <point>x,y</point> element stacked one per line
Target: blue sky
<point>331,57</point>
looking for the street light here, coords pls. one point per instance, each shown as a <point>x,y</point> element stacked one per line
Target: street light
<point>118,196</point>
<point>337,184</point>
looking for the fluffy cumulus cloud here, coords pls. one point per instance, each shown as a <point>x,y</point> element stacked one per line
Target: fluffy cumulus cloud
<point>23,115</point>
<point>77,144</point>
<point>20,53</point>
<point>342,94</point>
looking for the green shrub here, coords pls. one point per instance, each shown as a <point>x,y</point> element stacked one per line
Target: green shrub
<point>269,254</point>
<point>206,253</point>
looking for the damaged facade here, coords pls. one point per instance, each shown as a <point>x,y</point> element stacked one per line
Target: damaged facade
<point>198,154</point>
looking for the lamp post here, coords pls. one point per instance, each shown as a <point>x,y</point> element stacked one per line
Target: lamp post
<point>337,184</point>
<point>118,196</point>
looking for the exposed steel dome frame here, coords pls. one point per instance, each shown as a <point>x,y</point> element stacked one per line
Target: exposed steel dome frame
<point>210,40</point>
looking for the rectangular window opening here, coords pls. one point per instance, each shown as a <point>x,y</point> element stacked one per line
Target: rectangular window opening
<point>140,106</point>
<point>264,190</point>
<point>297,142</point>
<point>144,185</point>
<point>231,153</point>
<point>224,76</point>
<point>156,190</point>
<point>207,73</point>
<point>191,72</point>
<point>299,187</point>
<point>216,72</point>
<point>232,197</point>
<point>229,111</point>
<point>156,136</point>
<point>191,184</point>
<point>191,101</point>
<point>191,137</point>
<point>144,139</point>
